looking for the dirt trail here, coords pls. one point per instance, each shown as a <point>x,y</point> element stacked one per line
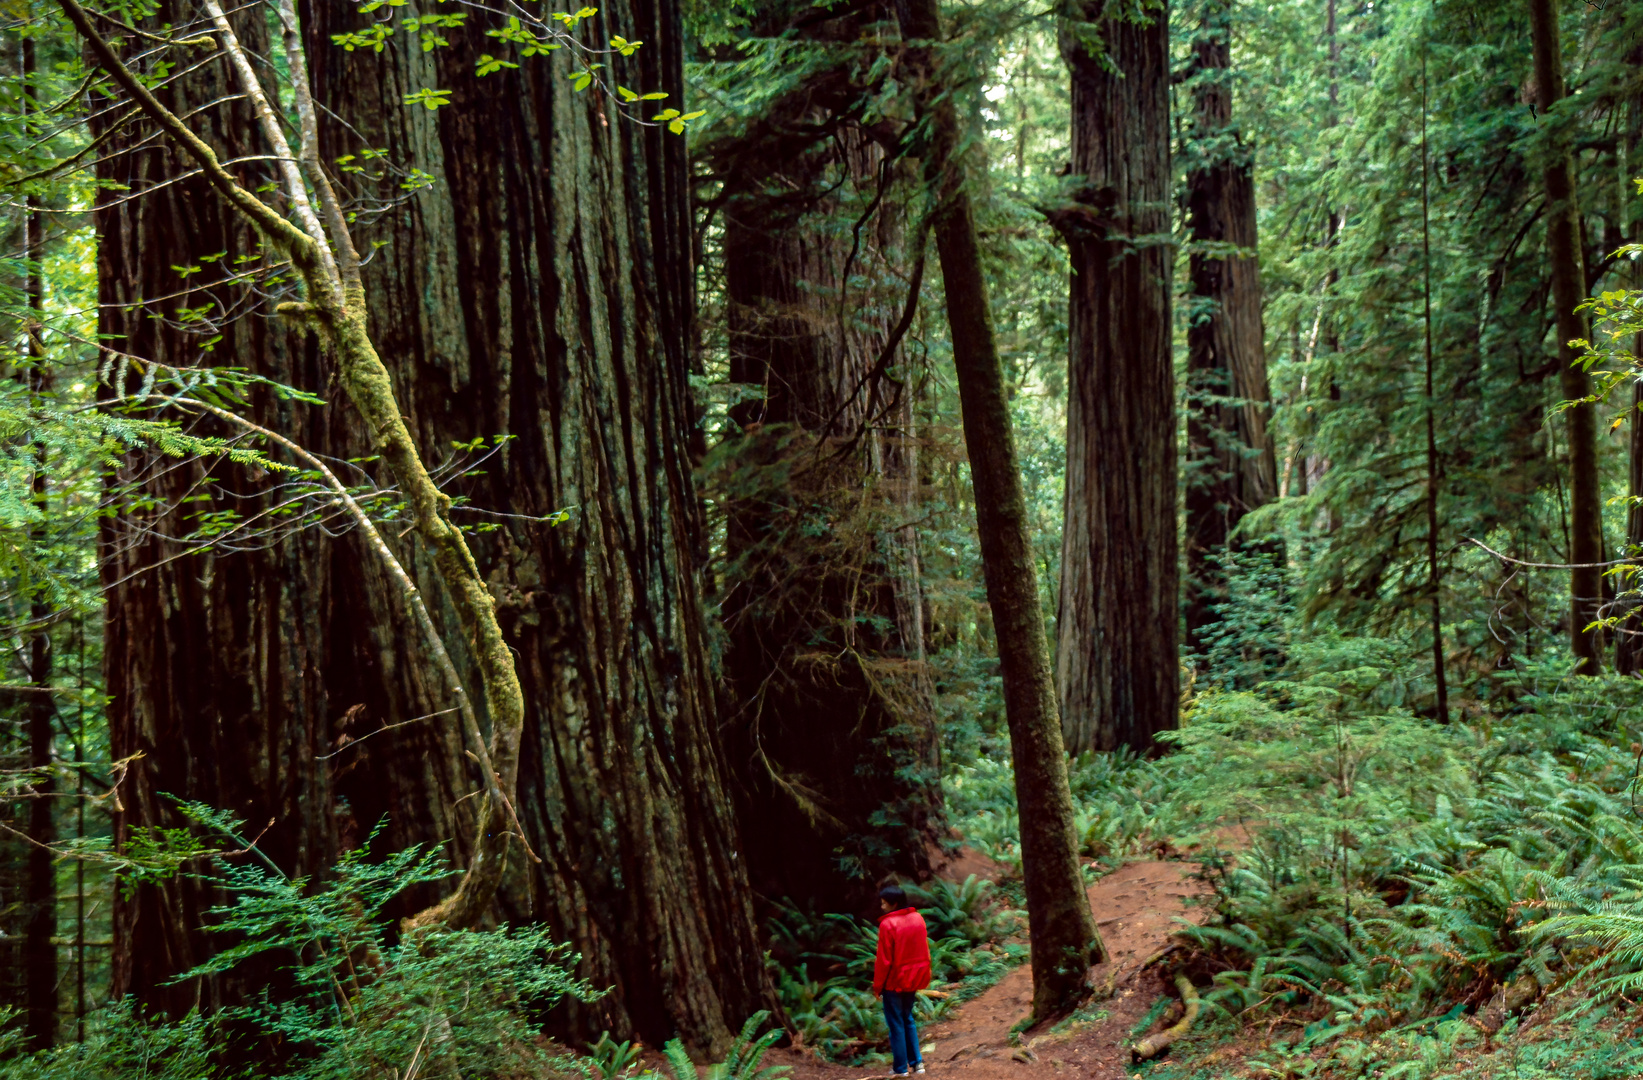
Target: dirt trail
<point>1136,907</point>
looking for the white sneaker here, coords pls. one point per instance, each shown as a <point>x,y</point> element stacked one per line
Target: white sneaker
<point>918,1067</point>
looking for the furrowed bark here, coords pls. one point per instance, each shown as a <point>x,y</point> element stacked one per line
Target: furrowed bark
<point>538,290</point>
<point>542,288</point>
<point>1564,253</point>
<point>1231,464</point>
<point>1063,933</point>
<point>339,316</point>
<point>409,594</point>
<point>1117,666</point>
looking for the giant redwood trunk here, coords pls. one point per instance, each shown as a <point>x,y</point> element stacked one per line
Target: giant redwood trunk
<point>830,733</point>
<point>1564,254</point>
<point>1231,466</point>
<point>1116,664</point>
<point>216,662</point>
<point>539,290</point>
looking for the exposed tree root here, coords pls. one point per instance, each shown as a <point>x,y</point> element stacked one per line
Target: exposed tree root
<point>1154,1045</point>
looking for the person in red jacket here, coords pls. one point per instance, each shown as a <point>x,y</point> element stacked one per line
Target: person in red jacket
<point>901,970</point>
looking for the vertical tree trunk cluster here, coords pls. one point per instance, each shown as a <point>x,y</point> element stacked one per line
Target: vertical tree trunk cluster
<point>539,291</point>
<point>1565,253</point>
<point>1116,660</point>
<point>1231,465</point>
<point>830,732</point>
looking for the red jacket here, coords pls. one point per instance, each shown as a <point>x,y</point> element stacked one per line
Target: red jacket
<point>904,952</point>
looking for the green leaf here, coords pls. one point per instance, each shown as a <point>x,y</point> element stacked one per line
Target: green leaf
<point>429,98</point>
<point>489,64</point>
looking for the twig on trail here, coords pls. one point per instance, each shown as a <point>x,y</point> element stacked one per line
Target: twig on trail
<point>1110,987</point>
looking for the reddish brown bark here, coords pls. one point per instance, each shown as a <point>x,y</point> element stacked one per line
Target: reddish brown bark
<point>1116,662</point>
<point>539,289</point>
<point>1063,933</point>
<point>1231,465</point>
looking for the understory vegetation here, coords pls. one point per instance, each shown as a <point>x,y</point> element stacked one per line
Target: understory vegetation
<point>1388,898</point>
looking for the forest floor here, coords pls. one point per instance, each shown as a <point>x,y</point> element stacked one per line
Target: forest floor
<point>1136,907</point>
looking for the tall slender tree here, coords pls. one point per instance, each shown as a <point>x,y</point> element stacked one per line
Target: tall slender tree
<point>1566,255</point>
<point>1116,663</point>
<point>1434,577</point>
<point>1628,645</point>
<point>40,927</point>
<point>1231,465</point>
<point>1064,937</point>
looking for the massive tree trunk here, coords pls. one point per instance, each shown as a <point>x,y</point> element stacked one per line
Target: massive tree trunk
<point>1059,923</point>
<point>831,736</point>
<point>1231,466</point>
<point>540,290</point>
<point>1564,252</point>
<point>233,672</point>
<point>1116,663</point>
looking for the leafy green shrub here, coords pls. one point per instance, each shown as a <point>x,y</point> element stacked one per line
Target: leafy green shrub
<point>611,1059</point>
<point>124,1045</point>
<point>362,1005</point>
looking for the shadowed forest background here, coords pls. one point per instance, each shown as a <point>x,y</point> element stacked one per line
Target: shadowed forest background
<point>515,524</point>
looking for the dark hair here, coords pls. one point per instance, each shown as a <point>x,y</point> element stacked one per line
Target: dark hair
<point>894,895</point>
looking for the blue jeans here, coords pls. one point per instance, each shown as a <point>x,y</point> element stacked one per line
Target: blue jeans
<point>898,1016</point>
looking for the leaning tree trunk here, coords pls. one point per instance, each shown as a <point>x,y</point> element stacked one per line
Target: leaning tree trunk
<point>539,291</point>
<point>1565,255</point>
<point>1231,466</point>
<point>830,731</point>
<point>1117,668</point>
<point>1062,930</point>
